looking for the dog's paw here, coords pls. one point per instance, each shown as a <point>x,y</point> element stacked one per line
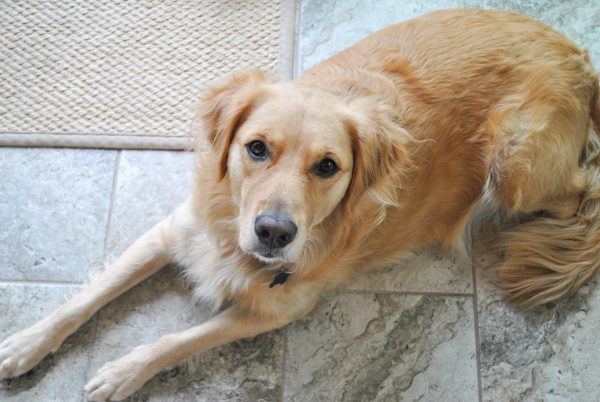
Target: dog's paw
<point>120,378</point>
<point>25,349</point>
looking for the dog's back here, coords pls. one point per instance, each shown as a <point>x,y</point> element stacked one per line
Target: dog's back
<point>501,105</point>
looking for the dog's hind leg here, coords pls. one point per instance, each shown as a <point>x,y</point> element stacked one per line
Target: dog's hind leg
<point>23,350</point>
<point>553,170</point>
<point>536,164</point>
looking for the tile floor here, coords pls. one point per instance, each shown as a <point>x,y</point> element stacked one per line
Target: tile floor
<point>433,329</point>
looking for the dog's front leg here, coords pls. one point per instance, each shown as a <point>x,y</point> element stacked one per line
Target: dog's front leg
<point>118,379</point>
<point>23,350</point>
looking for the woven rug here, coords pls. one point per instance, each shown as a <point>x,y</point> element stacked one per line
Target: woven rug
<point>127,74</point>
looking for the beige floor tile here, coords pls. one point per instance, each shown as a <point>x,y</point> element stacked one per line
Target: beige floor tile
<point>59,377</point>
<point>54,207</point>
<point>367,347</point>
<point>150,184</point>
<point>551,353</point>
<point>430,270</point>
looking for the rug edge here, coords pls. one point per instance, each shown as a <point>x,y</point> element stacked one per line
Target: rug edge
<point>97,141</point>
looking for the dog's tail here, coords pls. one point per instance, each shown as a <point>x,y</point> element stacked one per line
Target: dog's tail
<point>548,258</point>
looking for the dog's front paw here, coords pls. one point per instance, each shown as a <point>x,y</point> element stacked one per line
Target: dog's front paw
<point>23,350</point>
<point>120,378</point>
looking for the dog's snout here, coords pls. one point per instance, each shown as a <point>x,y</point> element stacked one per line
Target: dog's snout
<point>275,231</point>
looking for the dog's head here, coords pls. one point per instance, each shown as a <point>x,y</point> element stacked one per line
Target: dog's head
<point>293,155</point>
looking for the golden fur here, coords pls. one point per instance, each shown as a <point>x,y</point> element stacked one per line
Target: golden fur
<point>425,120</point>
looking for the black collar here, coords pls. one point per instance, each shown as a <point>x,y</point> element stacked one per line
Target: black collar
<point>280,278</point>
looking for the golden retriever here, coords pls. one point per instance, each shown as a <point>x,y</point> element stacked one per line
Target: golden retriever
<point>386,147</point>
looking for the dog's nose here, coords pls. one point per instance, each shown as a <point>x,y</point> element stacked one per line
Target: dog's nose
<point>275,231</point>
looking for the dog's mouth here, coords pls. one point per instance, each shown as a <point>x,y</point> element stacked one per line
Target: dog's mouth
<point>270,256</point>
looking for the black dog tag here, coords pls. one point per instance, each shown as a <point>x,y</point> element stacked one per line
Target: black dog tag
<point>280,278</point>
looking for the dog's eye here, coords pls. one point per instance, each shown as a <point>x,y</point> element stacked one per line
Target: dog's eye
<point>325,168</point>
<point>257,150</point>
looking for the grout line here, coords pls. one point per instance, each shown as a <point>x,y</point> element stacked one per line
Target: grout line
<point>38,282</point>
<point>111,202</point>
<point>476,327</point>
<point>283,362</point>
<point>401,292</point>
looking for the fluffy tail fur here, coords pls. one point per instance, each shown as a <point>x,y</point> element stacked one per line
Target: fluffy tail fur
<point>549,258</point>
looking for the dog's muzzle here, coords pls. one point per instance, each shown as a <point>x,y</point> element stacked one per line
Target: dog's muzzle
<point>274,230</point>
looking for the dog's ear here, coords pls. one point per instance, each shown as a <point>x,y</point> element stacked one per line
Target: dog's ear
<point>224,108</point>
<point>379,146</point>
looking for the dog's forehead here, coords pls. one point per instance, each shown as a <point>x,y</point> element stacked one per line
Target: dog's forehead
<point>290,112</point>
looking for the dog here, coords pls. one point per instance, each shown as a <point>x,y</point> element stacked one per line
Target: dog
<point>384,148</point>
